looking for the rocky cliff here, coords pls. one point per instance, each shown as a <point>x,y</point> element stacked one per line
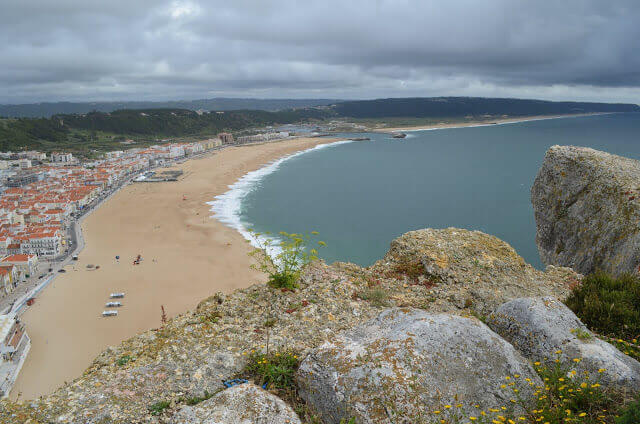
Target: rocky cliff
<point>436,281</point>
<point>587,210</point>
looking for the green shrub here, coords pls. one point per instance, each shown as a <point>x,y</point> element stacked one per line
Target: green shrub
<point>158,407</point>
<point>123,360</point>
<point>284,267</point>
<point>608,305</point>
<point>631,414</point>
<point>273,369</point>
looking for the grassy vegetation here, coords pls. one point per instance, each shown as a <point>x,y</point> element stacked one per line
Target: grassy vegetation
<point>631,415</point>
<point>294,252</point>
<point>123,360</point>
<point>608,305</point>
<point>274,369</point>
<point>194,400</point>
<point>158,407</point>
<point>276,372</point>
<point>377,297</point>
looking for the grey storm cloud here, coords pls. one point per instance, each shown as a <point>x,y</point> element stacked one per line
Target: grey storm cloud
<point>156,49</point>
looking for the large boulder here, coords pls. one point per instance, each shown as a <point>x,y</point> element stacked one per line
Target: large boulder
<point>407,365</point>
<point>471,269</point>
<point>243,404</point>
<point>541,327</point>
<point>587,208</point>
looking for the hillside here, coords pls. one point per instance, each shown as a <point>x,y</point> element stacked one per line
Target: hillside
<point>103,130</point>
<point>463,106</point>
<point>48,109</point>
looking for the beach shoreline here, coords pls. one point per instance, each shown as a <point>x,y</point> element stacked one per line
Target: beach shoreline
<point>187,257</point>
<point>479,123</point>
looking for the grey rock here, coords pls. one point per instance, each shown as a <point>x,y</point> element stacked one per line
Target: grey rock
<point>242,404</point>
<point>471,269</point>
<point>539,327</point>
<point>405,364</point>
<point>587,209</point>
<point>196,350</point>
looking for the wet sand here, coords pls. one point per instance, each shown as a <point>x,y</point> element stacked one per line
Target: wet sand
<point>187,256</point>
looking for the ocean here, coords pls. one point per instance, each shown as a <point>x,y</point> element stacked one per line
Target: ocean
<point>361,195</point>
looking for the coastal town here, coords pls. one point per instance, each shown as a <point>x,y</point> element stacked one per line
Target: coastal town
<point>42,199</point>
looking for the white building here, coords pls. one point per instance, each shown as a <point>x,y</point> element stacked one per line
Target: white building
<point>61,157</point>
<point>24,163</point>
<point>33,155</point>
<point>176,152</point>
<point>114,154</point>
<point>42,244</point>
<point>193,149</point>
<point>26,264</point>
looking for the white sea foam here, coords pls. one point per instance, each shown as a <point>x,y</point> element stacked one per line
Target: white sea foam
<point>227,207</point>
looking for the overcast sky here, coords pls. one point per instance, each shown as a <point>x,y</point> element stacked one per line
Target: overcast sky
<point>73,50</point>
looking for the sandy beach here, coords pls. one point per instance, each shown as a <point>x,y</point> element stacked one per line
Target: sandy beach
<point>488,121</point>
<point>187,256</point>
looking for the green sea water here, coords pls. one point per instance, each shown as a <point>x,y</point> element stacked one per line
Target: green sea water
<point>361,195</point>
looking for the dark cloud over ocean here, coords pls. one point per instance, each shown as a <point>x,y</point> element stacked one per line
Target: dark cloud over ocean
<point>185,49</point>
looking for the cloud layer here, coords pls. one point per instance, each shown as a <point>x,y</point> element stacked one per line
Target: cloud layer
<point>185,49</point>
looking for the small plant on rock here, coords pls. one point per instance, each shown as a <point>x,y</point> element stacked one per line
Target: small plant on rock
<point>123,360</point>
<point>581,334</point>
<point>158,407</point>
<point>197,399</point>
<point>273,370</point>
<point>283,261</point>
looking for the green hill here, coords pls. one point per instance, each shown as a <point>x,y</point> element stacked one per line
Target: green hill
<point>103,130</point>
<point>448,107</point>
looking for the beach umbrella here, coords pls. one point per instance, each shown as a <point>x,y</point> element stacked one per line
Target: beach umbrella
<point>117,257</point>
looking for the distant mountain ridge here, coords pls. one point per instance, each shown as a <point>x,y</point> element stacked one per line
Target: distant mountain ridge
<point>422,107</point>
<point>48,109</point>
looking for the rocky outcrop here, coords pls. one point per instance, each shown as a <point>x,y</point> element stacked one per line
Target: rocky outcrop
<point>587,209</point>
<point>437,270</point>
<point>407,365</point>
<point>471,269</point>
<point>243,404</point>
<point>544,329</point>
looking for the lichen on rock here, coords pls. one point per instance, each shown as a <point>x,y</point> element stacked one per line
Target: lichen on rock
<point>241,404</point>
<point>544,329</point>
<point>405,364</point>
<point>587,210</point>
<point>472,270</point>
